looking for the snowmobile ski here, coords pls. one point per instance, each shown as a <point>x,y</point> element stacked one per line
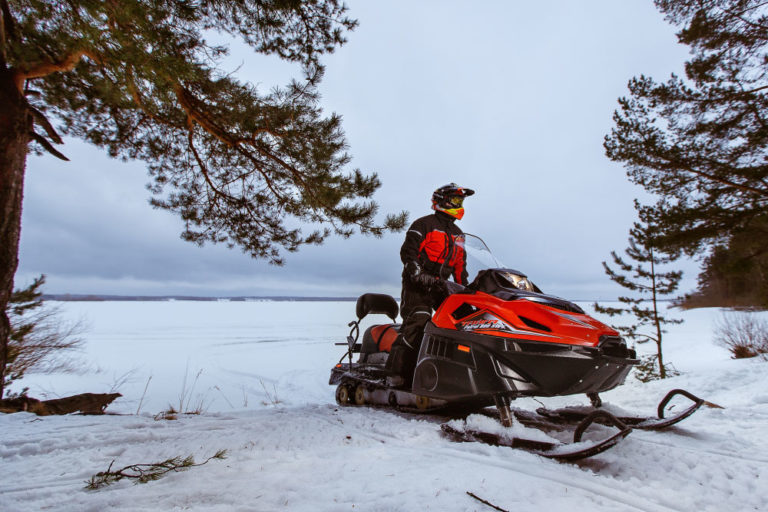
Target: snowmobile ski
<point>558,451</point>
<point>574,414</point>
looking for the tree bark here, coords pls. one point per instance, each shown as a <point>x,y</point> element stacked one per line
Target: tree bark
<point>15,125</point>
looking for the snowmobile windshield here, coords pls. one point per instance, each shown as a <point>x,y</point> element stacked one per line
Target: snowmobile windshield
<point>478,259</point>
<point>487,274</point>
<point>477,255</point>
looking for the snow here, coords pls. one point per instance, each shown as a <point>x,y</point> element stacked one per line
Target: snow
<point>483,423</point>
<point>257,374</point>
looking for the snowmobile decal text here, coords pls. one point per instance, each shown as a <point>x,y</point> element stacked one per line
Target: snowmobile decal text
<point>471,325</point>
<point>487,321</point>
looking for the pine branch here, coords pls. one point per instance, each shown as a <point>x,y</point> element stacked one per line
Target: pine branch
<point>42,69</point>
<point>41,120</point>
<point>47,145</point>
<point>143,473</point>
<point>672,167</point>
<point>607,310</point>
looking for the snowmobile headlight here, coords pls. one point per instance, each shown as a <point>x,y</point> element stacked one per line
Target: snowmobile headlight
<point>525,284</point>
<point>518,281</point>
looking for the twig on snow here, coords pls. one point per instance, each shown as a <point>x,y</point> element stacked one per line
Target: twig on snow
<point>143,395</point>
<point>481,500</point>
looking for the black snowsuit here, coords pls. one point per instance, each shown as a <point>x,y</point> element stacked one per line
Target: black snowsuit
<point>431,242</point>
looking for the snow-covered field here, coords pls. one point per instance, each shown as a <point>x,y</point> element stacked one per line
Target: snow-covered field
<point>258,373</point>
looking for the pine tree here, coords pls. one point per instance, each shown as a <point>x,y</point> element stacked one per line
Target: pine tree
<point>642,276</point>
<point>700,142</point>
<point>139,79</point>
<point>40,339</point>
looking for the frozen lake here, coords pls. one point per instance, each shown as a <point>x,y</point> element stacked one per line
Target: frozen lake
<point>224,356</point>
<point>219,355</point>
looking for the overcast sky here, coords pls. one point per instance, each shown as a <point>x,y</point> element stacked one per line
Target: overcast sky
<point>509,98</point>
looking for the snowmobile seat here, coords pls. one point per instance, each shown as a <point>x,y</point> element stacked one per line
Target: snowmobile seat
<point>379,338</point>
<point>376,303</point>
<point>377,342</point>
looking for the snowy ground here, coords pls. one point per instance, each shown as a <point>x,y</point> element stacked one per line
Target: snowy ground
<point>258,372</point>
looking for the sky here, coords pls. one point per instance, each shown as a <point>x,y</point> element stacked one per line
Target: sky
<point>509,98</point>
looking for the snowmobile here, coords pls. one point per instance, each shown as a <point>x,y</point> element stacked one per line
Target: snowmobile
<point>497,339</point>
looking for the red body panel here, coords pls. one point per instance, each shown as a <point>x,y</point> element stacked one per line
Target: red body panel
<point>519,319</point>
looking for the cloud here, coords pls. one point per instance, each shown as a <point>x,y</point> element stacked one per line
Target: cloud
<point>507,99</point>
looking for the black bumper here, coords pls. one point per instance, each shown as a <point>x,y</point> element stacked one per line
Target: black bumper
<point>489,365</point>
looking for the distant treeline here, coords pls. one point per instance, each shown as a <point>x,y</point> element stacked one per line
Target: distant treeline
<point>735,274</point>
<point>67,297</point>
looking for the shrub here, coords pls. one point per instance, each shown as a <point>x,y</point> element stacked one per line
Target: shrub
<point>744,334</point>
<point>41,340</point>
<point>649,369</point>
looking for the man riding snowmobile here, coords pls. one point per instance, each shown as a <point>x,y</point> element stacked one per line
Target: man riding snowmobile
<point>429,250</point>
<point>493,338</point>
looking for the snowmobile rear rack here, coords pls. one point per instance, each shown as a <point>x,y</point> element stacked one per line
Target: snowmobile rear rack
<point>570,415</point>
<point>557,451</point>
<point>367,304</point>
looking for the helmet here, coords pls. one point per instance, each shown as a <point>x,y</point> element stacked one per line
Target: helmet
<point>450,198</point>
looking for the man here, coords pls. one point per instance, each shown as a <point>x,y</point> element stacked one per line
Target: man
<point>429,254</point>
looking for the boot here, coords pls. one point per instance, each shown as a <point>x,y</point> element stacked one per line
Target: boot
<point>397,364</point>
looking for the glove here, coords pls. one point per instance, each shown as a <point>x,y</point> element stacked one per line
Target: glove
<point>426,280</point>
<point>417,276</point>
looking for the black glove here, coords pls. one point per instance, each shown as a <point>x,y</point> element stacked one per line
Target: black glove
<point>417,275</point>
<point>412,271</point>
<point>426,280</point>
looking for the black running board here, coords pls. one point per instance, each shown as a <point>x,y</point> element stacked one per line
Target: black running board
<point>558,451</point>
<point>568,415</point>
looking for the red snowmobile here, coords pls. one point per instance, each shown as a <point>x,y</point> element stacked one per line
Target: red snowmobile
<point>488,343</point>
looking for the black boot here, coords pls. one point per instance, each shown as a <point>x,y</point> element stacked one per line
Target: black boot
<point>395,359</point>
<point>400,364</point>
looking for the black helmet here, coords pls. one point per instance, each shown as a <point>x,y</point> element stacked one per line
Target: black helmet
<point>449,199</point>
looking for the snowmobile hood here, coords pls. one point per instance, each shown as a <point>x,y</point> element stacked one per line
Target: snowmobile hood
<point>523,316</point>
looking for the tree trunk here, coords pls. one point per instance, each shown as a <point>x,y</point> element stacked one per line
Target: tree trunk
<point>15,124</point>
<point>656,321</point>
